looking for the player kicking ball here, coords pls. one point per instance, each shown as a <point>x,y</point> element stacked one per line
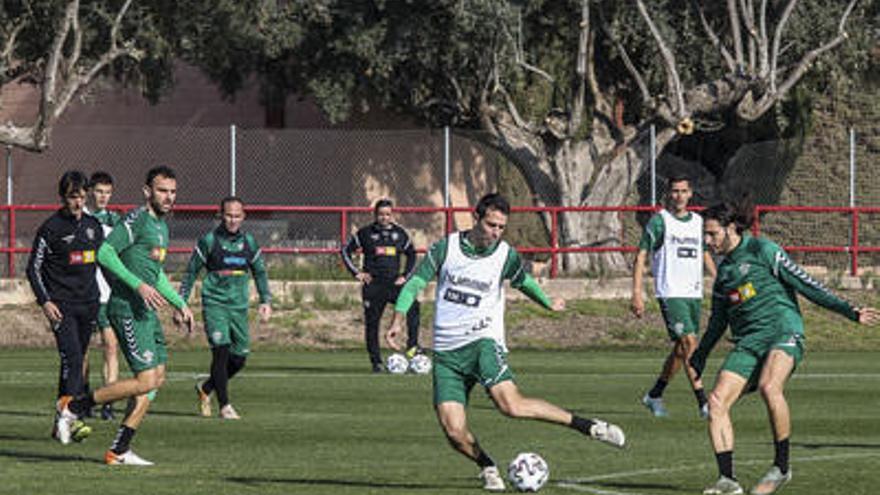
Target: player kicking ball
<point>469,336</point>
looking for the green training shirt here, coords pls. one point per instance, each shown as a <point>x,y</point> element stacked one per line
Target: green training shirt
<point>514,270</point>
<point>229,258</point>
<point>135,253</point>
<point>755,293</point>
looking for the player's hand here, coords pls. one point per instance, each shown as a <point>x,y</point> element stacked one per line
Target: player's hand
<point>53,314</point>
<point>364,278</point>
<point>185,318</point>
<point>265,312</point>
<point>868,316</point>
<point>637,306</point>
<point>558,304</point>
<point>400,280</point>
<point>394,331</point>
<point>151,296</point>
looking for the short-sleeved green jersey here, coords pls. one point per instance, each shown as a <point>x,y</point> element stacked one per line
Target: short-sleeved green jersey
<point>141,241</point>
<point>229,259</point>
<point>755,293</point>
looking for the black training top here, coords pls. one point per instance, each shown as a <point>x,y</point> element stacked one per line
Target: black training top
<point>382,248</point>
<point>62,264</point>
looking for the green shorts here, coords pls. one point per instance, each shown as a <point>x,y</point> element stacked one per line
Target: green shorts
<point>227,326</point>
<point>682,316</point>
<point>103,320</point>
<point>748,362</point>
<point>457,371</point>
<point>141,339</point>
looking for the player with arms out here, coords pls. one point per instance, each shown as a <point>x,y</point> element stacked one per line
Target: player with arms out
<point>674,237</point>
<point>228,254</point>
<point>134,253</point>
<point>755,294</point>
<point>469,334</point>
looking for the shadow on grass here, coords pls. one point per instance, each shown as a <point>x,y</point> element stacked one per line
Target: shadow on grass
<point>23,438</point>
<point>27,414</point>
<point>315,370</point>
<point>255,481</point>
<point>40,457</point>
<point>818,446</point>
<point>623,486</point>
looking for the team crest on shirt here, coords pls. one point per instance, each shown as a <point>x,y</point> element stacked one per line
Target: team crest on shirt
<point>395,236</point>
<point>90,233</point>
<point>148,356</point>
<point>744,268</point>
<point>158,253</point>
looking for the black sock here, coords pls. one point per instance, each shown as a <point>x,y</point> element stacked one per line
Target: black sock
<point>659,387</point>
<point>581,424</point>
<point>219,373</point>
<point>483,460</point>
<point>725,463</point>
<point>700,394</point>
<point>81,404</point>
<point>123,439</point>
<point>781,460</point>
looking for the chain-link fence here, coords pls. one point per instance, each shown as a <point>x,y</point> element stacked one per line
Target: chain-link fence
<point>834,164</point>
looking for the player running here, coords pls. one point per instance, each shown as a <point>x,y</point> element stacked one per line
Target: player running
<point>675,238</point>
<point>755,293</point>
<point>134,253</point>
<point>469,335</point>
<point>228,254</point>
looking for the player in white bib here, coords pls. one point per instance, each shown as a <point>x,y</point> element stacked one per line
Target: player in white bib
<point>674,237</point>
<point>469,340</point>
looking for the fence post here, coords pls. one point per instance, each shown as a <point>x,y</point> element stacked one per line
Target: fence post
<point>446,159</point>
<point>10,256</point>
<point>653,165</point>
<point>854,244</point>
<point>554,242</point>
<point>852,167</point>
<point>232,160</point>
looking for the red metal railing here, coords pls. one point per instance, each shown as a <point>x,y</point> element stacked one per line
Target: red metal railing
<point>853,248</point>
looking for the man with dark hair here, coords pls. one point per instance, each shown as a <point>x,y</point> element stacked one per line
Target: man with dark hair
<point>469,334</point>
<point>62,273</point>
<point>674,237</point>
<point>756,295</point>
<point>134,254</point>
<point>100,192</point>
<point>228,254</point>
<point>382,243</point>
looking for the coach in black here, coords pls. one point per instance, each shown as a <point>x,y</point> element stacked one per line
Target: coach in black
<point>382,243</point>
<point>61,271</point>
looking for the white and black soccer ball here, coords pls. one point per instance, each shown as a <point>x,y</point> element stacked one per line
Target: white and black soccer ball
<point>420,364</point>
<point>397,364</point>
<point>528,472</point>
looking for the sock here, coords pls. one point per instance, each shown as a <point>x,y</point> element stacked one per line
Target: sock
<point>580,424</point>
<point>781,460</point>
<point>700,394</point>
<point>658,389</point>
<point>219,373</point>
<point>725,463</point>
<point>483,460</point>
<point>123,440</point>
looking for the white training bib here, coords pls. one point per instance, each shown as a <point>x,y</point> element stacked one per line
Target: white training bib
<point>469,297</point>
<point>678,264</point>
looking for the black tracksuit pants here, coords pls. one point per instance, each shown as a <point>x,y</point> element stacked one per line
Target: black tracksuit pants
<point>376,295</point>
<point>72,336</point>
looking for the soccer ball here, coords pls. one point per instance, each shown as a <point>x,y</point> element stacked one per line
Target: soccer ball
<point>420,364</point>
<point>528,472</point>
<point>397,364</point>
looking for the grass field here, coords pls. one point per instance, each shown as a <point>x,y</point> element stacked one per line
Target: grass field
<point>316,422</point>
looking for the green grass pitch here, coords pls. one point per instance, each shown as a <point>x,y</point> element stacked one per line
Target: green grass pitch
<point>317,422</point>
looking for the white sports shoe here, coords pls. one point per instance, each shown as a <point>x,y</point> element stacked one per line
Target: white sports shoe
<point>724,486</point>
<point>228,412</point>
<point>64,425</point>
<point>655,405</point>
<point>607,433</point>
<point>128,458</point>
<point>492,480</point>
<point>704,411</point>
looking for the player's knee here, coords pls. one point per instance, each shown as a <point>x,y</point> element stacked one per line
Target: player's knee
<point>769,390</point>
<point>149,380</point>
<point>717,407</point>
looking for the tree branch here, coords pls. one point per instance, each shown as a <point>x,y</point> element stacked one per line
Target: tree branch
<point>764,56</point>
<point>713,37</point>
<point>676,93</point>
<point>735,32</point>
<point>777,40</point>
<point>584,53</point>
